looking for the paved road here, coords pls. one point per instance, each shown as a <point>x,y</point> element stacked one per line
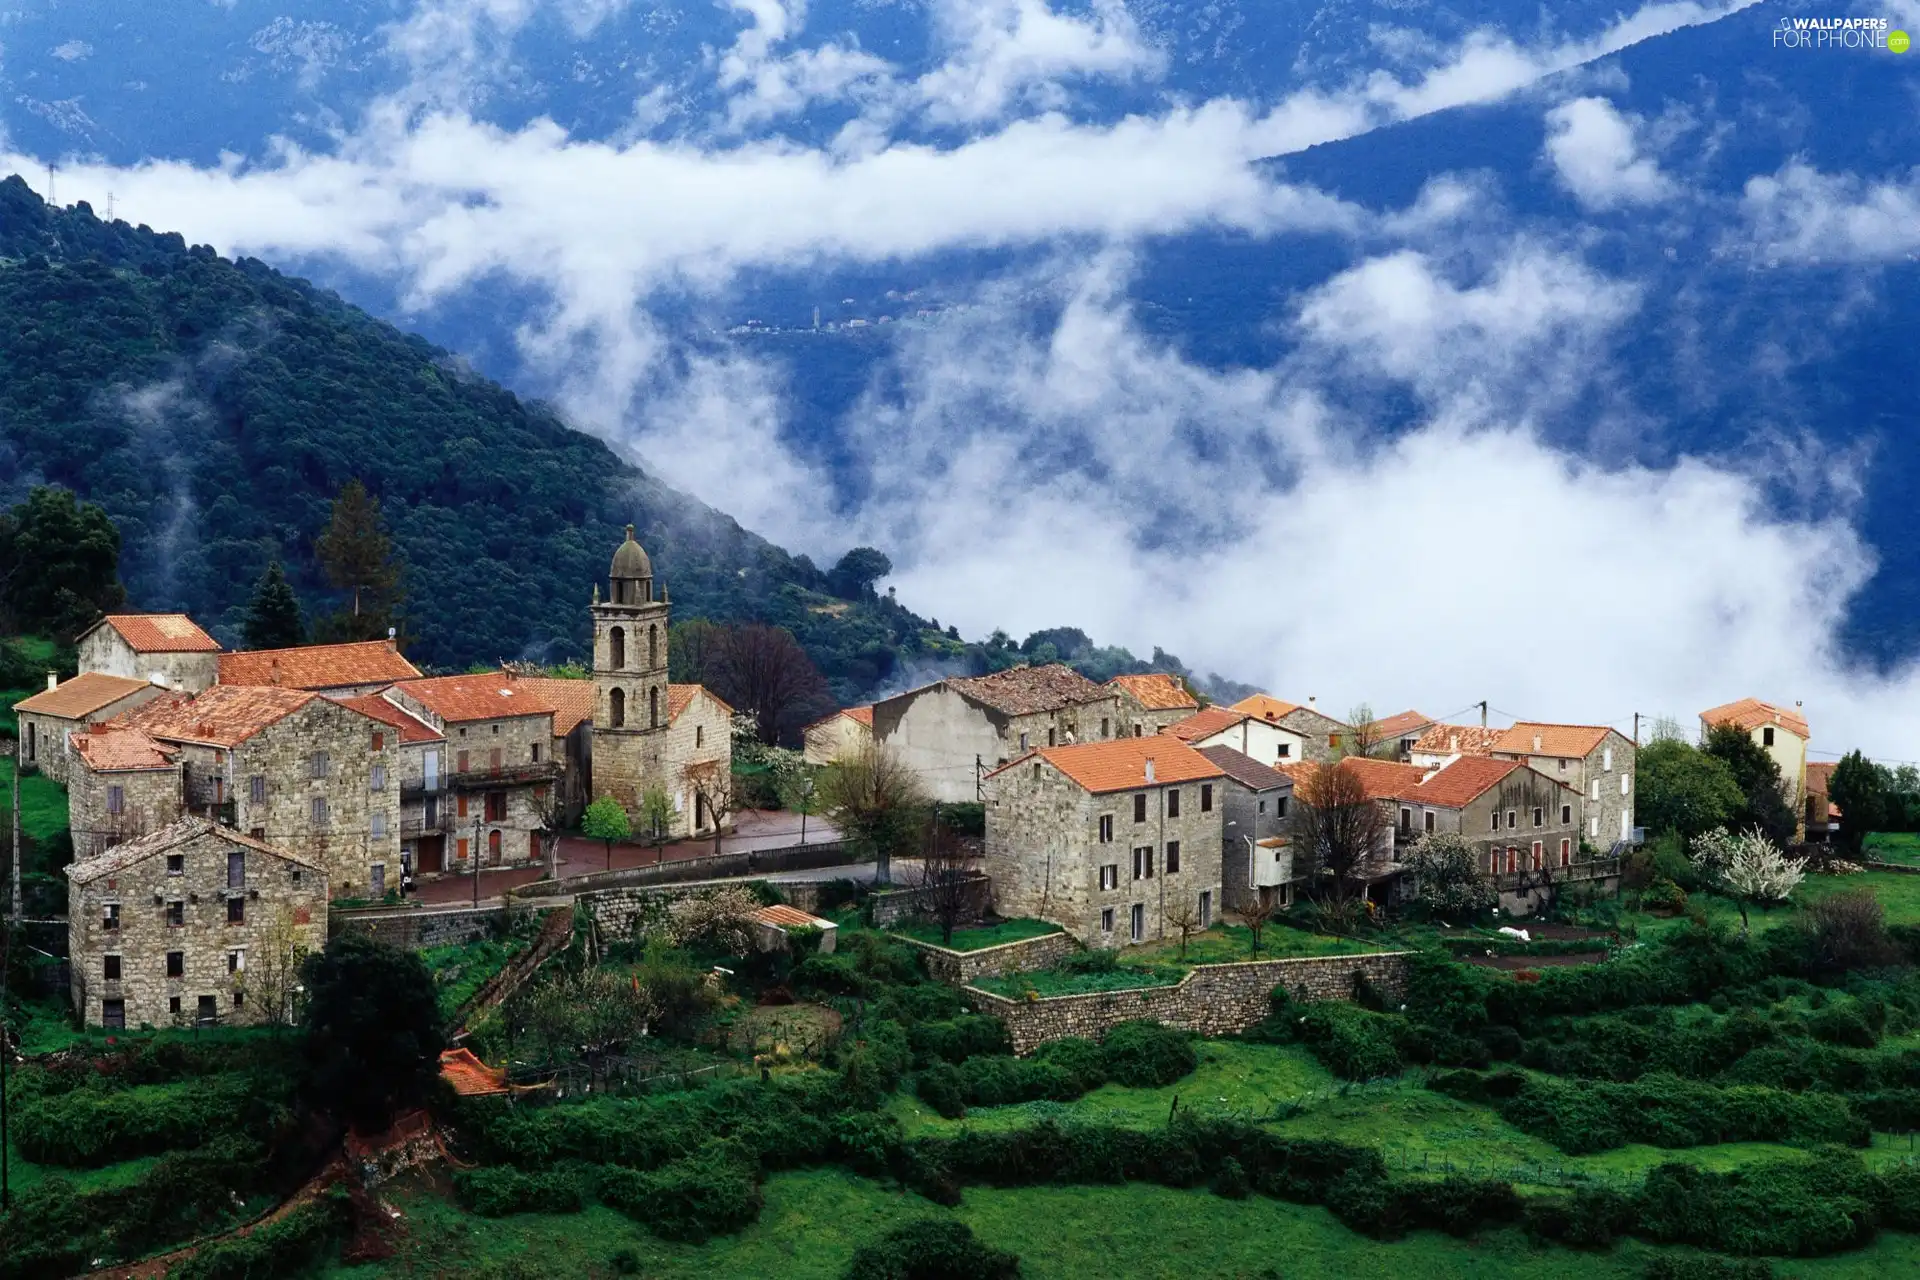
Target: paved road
<point>754,829</point>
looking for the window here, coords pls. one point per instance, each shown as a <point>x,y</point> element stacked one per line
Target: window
<point>110,917</point>
<point>1406,820</point>
<point>1766,736</point>
<point>1140,808</point>
<point>258,833</point>
<point>1206,909</point>
<point>653,645</point>
<point>495,728</point>
<point>239,998</point>
<point>236,961</point>
<point>176,864</point>
<point>1173,803</point>
<point>1429,822</point>
<point>1036,771</point>
<point>1625,780</point>
<point>1595,789</point>
<point>176,964</point>
<point>1513,859</point>
<point>461,761</point>
<point>1284,750</point>
<point>110,968</point>
<point>699,735</point>
<point>1280,807</point>
<point>257,788</point>
<point>1566,852</point>
<point>1593,827</point>
<point>319,808</point>
<point>1023,742</point>
<point>377,826</point>
<point>317,765</point>
<point>236,910</point>
<point>236,869</point>
<point>113,1014</point>
<point>1206,797</point>
<point>1263,806</point>
<point>209,1009</point>
<point>1173,857</point>
<point>1496,819</point>
<point>653,707</point>
<point>379,740</point>
<point>176,913</point>
<point>1106,920</point>
<point>379,875</point>
<point>1539,816</point>
<point>1110,876</point>
<point>1513,819</point>
<point>1564,762</point>
<point>116,799</point>
<point>493,760</point>
<point>1143,863</point>
<point>377,779</point>
<point>1566,814</point>
<point>1137,729</point>
<point>1537,848</point>
<point>493,846</point>
<point>616,715</point>
<point>1106,828</point>
<point>297,880</point>
<point>1137,921</point>
<point>1050,736</point>
<point>496,806</point>
<point>617,649</point>
<point>1103,727</point>
<point>460,849</point>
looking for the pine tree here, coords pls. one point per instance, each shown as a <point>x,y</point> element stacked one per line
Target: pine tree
<point>273,615</point>
<point>357,555</point>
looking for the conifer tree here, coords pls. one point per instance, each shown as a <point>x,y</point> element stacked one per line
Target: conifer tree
<point>273,615</point>
<point>357,556</point>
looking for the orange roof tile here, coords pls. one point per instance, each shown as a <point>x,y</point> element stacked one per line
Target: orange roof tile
<point>470,1077</point>
<point>1382,779</point>
<point>1265,706</point>
<point>862,716</point>
<point>1156,691</point>
<point>111,749</point>
<point>496,695</point>
<point>1121,763</point>
<point>1568,740</point>
<point>1204,724</point>
<point>573,701</point>
<point>160,632</point>
<point>1463,781</point>
<point>785,917</point>
<point>1751,713</point>
<point>680,697</point>
<point>1819,775</point>
<point>318,666</point>
<point>1399,726</point>
<point>1465,739</point>
<point>222,715</point>
<point>412,728</point>
<point>80,697</point>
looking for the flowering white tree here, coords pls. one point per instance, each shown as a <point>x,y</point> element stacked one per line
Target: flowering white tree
<point>1758,872</point>
<point>1711,851</point>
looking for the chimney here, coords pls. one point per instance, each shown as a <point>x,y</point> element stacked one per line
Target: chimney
<point>1311,699</point>
<point>1149,768</point>
<point>393,635</point>
<point>1536,742</point>
<point>53,679</point>
<point>273,667</point>
<point>1453,742</point>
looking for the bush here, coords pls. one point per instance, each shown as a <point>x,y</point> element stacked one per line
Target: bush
<point>1001,1080</point>
<point>1664,1111</point>
<point>500,1191</point>
<point>707,1194</point>
<point>1843,1023</point>
<point>1848,930</point>
<point>1084,1062</point>
<point>931,1249</point>
<point>1230,1182</point>
<point>1590,1218</point>
<point>1801,1208</point>
<point>1709,1269</point>
<point>1354,1043</point>
<point>957,1039</point>
<point>941,1087</point>
<point>1147,1055</point>
<point>94,1126</point>
<point>1663,895</point>
<point>289,1246</point>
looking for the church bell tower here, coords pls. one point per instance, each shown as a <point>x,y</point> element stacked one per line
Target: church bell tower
<point>630,680</point>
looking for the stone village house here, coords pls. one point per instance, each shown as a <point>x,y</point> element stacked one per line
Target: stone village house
<point>190,922</point>
<point>419,771</point>
<point>1781,733</point>
<point>49,719</point>
<point>1395,736</point>
<point>122,785</point>
<point>1151,702</point>
<point>1443,743</point>
<point>1107,839</point>
<point>1322,737</point>
<point>1595,760</point>
<point>341,670</point>
<point>1256,855</point>
<point>840,736</point>
<point>1262,740</point>
<point>159,648</point>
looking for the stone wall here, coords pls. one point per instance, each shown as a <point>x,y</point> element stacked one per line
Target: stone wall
<point>961,967</point>
<point>700,739</point>
<point>149,800</point>
<point>1212,1000</point>
<point>105,649</point>
<point>417,928</point>
<point>748,862</point>
<point>891,906</point>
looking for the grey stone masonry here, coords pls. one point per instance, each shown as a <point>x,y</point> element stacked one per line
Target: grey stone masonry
<point>417,929</point>
<point>1025,956</point>
<point>891,906</point>
<point>1212,1000</point>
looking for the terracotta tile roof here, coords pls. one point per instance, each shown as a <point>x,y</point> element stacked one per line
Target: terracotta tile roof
<point>1121,763</point>
<point>1401,725</point>
<point>862,716</point>
<point>1204,724</point>
<point>1245,770</point>
<point>783,916</point>
<point>160,632</point>
<point>1382,779</point>
<point>1466,739</point>
<point>1463,781</point>
<point>680,697</point>
<point>1265,706</point>
<point>318,666</point>
<point>1819,775</point>
<point>573,701</point>
<point>495,695</point>
<point>223,715</point>
<point>166,838</point>
<point>412,728</point>
<point>1569,740</point>
<point>81,696</point>
<point>1751,713</point>
<point>1156,691</point>
<point>1026,690</point>
<point>111,749</point>
<point>468,1076</point>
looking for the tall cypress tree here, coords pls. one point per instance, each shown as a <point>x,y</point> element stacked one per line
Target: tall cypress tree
<point>357,555</point>
<point>273,615</point>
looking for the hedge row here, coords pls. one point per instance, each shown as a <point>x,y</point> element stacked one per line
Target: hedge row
<point>289,1246</point>
<point>1142,1054</point>
<point>91,1127</point>
<point>711,1192</point>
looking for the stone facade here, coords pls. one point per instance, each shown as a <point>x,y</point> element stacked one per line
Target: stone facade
<point>961,967</point>
<point>1212,1000</point>
<point>497,769</point>
<point>1527,820</point>
<point>892,906</point>
<point>184,925</point>
<point>1146,704</point>
<point>631,708</point>
<point>109,806</point>
<point>1096,863</point>
<point>105,649</point>
<point>418,929</point>
<point>698,748</point>
<point>1603,778</point>
<point>840,736</point>
<point>46,737</point>
<point>954,732</point>
<point>1251,815</point>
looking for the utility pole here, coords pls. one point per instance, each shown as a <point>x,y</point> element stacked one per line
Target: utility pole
<point>1636,731</point>
<point>6,962</point>
<point>15,872</point>
<point>979,786</point>
<point>475,860</point>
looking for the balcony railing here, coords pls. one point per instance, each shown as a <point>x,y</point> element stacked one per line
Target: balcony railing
<point>419,790</point>
<point>506,775</point>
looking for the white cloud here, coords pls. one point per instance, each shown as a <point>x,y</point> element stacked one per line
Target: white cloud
<point>1007,52</point>
<point>1803,214</point>
<point>764,84</point>
<point>72,51</point>
<point>1593,150</point>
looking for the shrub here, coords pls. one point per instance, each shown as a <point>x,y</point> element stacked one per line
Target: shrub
<point>957,1039</point>
<point>1354,1043</point>
<point>1848,930</point>
<point>1664,895</point>
<point>286,1247</point>
<point>941,1087</point>
<point>1231,1182</point>
<point>1084,1062</point>
<point>1000,1080</point>
<point>1147,1055</point>
<point>94,1126</point>
<point>931,1249</point>
<point>1803,1208</point>
<point>710,1193</point>
<point>499,1191</point>
<point>1590,1218</point>
<point>1843,1023</point>
<point>1665,1111</point>
<point>867,1141</point>
<point>1671,1268</point>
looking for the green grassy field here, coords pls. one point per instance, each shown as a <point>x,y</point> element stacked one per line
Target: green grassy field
<point>43,803</point>
<point>1894,846</point>
<point>979,938</point>
<point>815,1220</point>
<point>460,971</point>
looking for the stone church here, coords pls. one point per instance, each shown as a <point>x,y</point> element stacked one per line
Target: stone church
<point>649,735</point>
